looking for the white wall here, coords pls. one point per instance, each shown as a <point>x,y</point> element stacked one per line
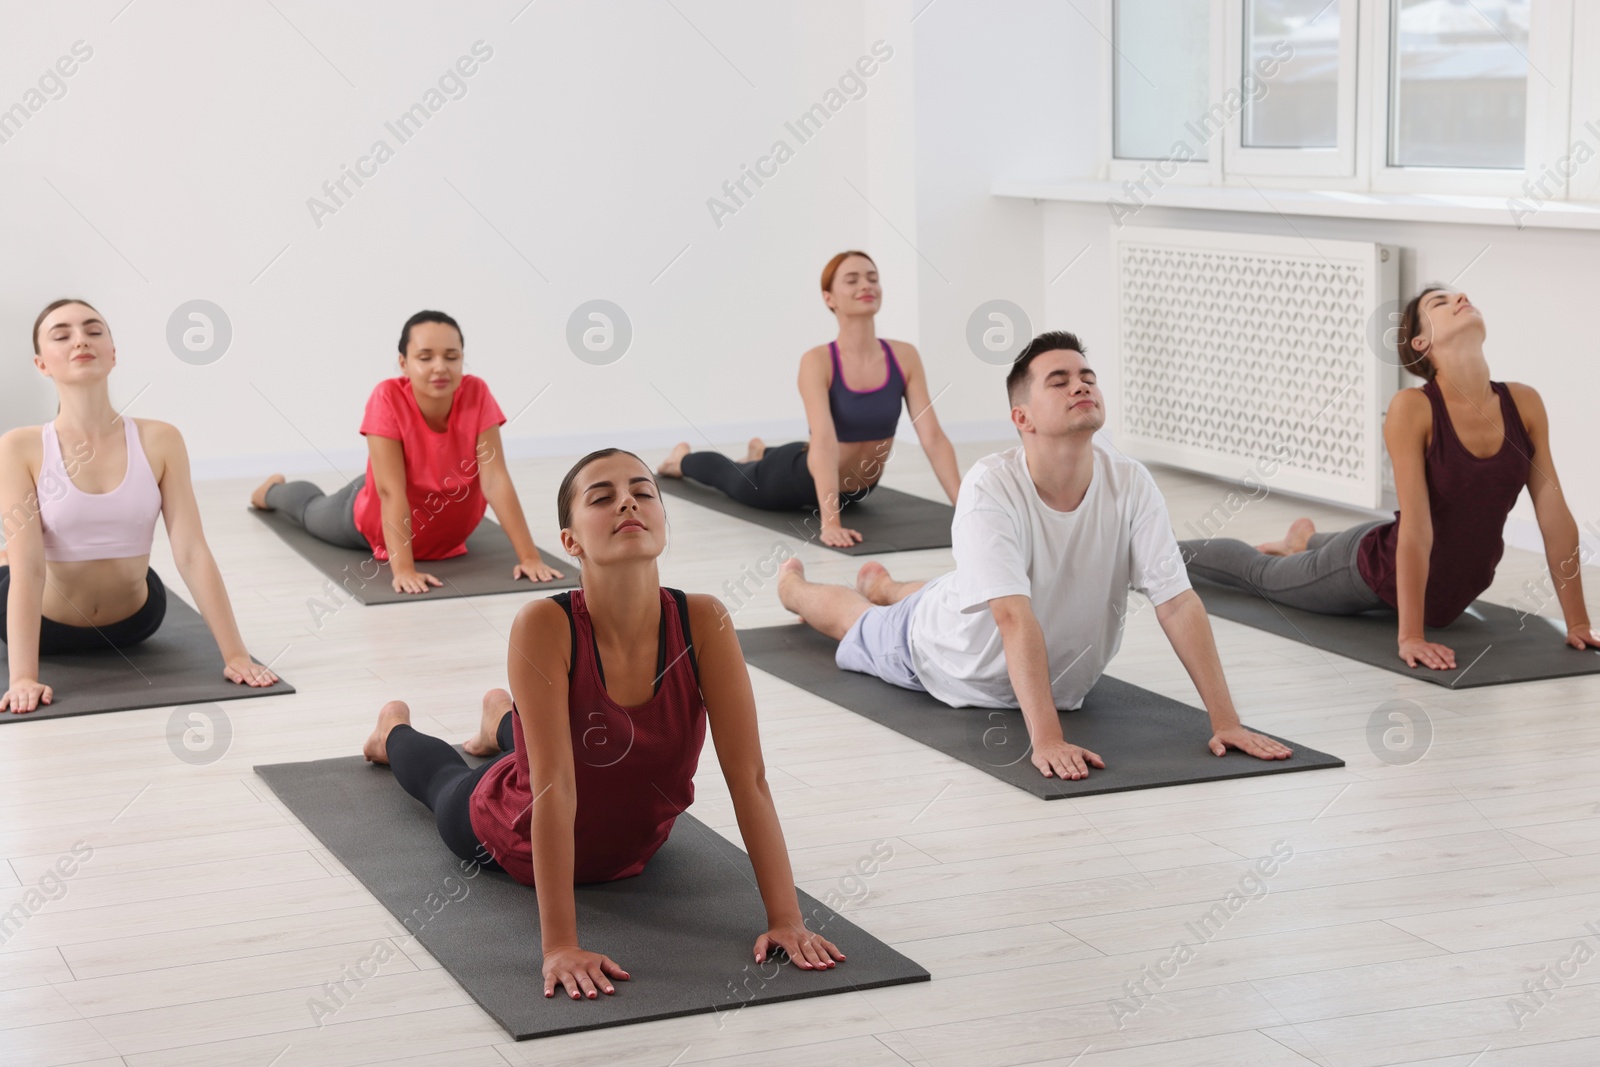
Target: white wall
<point>179,163</point>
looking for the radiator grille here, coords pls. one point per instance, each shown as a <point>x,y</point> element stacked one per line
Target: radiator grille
<point>1237,348</point>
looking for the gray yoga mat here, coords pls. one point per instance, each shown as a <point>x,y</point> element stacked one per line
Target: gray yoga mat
<point>1494,645</point>
<point>485,569</point>
<point>179,664</point>
<point>684,929</point>
<point>888,520</point>
<point>1146,739</point>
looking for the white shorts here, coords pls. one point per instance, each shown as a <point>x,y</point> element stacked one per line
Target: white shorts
<point>879,643</point>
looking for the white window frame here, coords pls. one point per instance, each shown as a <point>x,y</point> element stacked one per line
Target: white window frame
<point>1194,172</point>
<point>1336,162</point>
<point>1559,30</point>
<point>1549,51</point>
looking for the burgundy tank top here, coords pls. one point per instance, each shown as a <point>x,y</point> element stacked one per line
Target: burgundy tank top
<point>1469,498</point>
<point>633,767</point>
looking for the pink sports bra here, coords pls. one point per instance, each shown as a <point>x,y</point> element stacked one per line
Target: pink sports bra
<point>82,526</point>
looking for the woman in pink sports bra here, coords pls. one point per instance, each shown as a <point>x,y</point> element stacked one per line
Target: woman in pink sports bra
<point>80,497</point>
<point>852,430</point>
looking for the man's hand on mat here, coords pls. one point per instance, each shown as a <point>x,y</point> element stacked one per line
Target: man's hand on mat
<point>535,570</point>
<point>1415,650</point>
<point>581,973</point>
<point>1257,745</point>
<point>808,951</point>
<point>1583,636</point>
<point>413,582</point>
<point>25,696</point>
<point>244,670</point>
<point>839,536</point>
<point>1062,760</point>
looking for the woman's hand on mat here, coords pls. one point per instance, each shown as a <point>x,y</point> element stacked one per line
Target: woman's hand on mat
<point>534,569</point>
<point>839,536</point>
<point>1258,745</point>
<point>413,581</point>
<point>581,973</point>
<point>25,696</point>
<point>1584,636</point>
<point>809,951</point>
<point>1062,760</point>
<point>246,671</point>
<point>1415,650</point>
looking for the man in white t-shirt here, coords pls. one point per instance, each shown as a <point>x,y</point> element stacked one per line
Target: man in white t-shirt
<point>1048,538</point>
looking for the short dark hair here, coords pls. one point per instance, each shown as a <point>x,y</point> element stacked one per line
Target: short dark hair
<point>1053,341</point>
<point>427,316</point>
<point>569,488</point>
<point>1413,361</point>
<point>52,306</point>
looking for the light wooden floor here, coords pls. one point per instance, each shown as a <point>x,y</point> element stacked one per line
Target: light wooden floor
<point>1419,900</point>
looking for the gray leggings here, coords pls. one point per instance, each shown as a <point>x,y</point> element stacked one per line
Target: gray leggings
<point>327,518</point>
<point>1324,578</point>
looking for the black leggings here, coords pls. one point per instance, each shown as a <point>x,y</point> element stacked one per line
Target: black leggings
<point>434,773</point>
<point>57,638</point>
<point>778,481</point>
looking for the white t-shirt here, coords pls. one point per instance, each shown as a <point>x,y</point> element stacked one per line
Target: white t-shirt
<point>1076,566</point>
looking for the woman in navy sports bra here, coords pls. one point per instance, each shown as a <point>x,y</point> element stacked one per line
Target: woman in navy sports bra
<point>595,762</point>
<point>80,496</point>
<point>852,430</point>
<point>1463,448</point>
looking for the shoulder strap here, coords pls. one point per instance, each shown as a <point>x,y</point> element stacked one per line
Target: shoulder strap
<point>682,600</point>
<point>565,600</point>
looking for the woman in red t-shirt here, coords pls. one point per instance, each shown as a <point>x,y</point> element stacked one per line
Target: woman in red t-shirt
<point>434,464</point>
<point>596,762</point>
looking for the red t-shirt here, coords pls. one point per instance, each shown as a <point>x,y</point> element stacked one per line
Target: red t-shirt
<point>441,468</point>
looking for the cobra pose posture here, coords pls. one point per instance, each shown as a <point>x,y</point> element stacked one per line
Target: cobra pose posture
<point>557,806</point>
<point>851,430</point>
<point>1463,447</point>
<point>81,495</point>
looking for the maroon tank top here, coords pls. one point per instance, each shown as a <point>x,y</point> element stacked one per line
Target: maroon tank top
<point>1469,498</point>
<point>633,767</point>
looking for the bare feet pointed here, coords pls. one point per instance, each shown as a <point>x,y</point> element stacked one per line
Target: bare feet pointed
<point>672,466</point>
<point>258,499</point>
<point>1294,541</point>
<point>496,702</point>
<point>390,715</point>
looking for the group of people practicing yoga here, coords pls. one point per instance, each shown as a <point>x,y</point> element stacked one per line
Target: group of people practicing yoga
<point>1048,538</point>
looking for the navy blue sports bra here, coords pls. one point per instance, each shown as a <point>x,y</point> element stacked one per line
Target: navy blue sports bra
<point>866,416</point>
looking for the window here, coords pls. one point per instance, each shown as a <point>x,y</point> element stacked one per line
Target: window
<point>1453,97</point>
<point>1458,86</point>
<point>1299,106</point>
<point>1294,69</point>
<point>1160,75</point>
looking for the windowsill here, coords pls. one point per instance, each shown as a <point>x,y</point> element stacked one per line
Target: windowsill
<point>1414,207</point>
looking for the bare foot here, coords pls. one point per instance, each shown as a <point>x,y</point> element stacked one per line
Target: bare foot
<point>258,499</point>
<point>755,450</point>
<point>390,715</point>
<point>790,571</point>
<point>872,582</point>
<point>1294,541</point>
<point>672,466</point>
<point>496,702</point>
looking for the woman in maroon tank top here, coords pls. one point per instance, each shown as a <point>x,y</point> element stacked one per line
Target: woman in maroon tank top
<point>1463,447</point>
<point>598,751</point>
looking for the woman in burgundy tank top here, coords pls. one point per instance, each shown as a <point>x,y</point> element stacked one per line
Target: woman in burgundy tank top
<point>1463,447</point>
<point>597,753</point>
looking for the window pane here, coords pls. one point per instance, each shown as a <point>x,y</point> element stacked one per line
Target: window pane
<point>1161,74</point>
<point>1460,84</point>
<point>1298,106</point>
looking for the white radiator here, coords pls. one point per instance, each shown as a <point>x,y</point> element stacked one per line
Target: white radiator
<point>1240,348</point>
